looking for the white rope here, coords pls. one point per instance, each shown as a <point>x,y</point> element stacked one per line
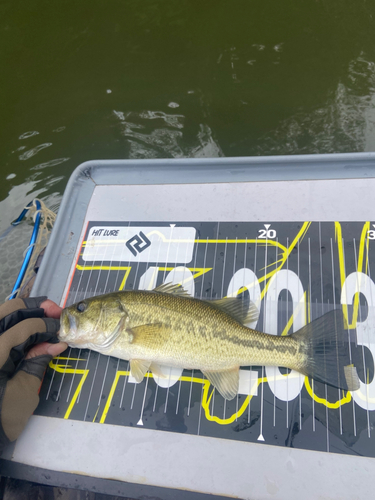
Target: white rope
<point>12,294</point>
<point>27,249</point>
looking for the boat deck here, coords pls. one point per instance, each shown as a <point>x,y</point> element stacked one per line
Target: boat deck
<point>293,234</point>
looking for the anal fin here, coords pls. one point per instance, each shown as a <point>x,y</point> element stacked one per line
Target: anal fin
<point>156,370</point>
<point>225,381</point>
<point>138,369</point>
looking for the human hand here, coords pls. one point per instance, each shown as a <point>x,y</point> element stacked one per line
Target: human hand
<point>28,341</point>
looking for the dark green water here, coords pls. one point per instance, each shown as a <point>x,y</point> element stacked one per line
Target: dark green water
<point>173,78</point>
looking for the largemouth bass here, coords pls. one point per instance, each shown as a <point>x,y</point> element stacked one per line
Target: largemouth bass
<point>169,327</point>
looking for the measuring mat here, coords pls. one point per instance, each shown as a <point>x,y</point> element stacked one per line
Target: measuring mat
<point>227,227</point>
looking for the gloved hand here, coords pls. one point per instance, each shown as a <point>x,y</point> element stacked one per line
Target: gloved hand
<point>28,341</point>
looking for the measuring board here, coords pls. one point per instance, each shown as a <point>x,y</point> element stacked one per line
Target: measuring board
<point>241,238</point>
<point>308,267</point>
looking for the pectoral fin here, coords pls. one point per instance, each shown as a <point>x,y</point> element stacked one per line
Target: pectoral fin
<point>138,368</point>
<point>225,381</point>
<point>151,335</point>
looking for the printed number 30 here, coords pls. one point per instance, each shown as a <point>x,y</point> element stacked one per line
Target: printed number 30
<point>371,234</point>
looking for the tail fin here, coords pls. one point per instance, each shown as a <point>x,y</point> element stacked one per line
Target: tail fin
<point>325,345</point>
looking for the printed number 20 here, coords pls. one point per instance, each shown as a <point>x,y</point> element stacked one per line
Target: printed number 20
<point>264,233</point>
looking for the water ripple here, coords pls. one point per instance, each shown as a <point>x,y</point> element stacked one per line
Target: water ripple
<point>32,152</point>
<point>51,181</point>
<point>51,163</point>
<point>175,121</point>
<point>345,123</point>
<point>26,135</point>
<point>155,134</point>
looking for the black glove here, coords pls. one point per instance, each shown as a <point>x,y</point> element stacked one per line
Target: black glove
<point>22,325</point>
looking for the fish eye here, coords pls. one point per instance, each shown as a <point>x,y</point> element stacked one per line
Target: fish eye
<point>81,307</point>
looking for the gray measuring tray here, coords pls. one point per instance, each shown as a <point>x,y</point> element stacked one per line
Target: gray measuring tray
<point>296,234</point>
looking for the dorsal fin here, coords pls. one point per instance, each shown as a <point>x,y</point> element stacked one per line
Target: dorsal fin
<point>173,289</point>
<point>239,310</point>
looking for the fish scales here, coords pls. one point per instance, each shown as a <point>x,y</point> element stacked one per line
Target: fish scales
<point>196,334</point>
<point>199,336</point>
<point>167,326</point>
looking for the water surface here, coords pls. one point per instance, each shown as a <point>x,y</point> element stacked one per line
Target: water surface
<point>176,78</point>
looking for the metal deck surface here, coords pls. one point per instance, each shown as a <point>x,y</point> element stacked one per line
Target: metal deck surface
<point>298,249</point>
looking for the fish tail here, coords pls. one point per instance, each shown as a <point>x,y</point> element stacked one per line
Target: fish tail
<point>325,349</point>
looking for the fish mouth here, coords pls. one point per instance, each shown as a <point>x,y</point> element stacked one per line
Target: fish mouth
<point>68,325</point>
